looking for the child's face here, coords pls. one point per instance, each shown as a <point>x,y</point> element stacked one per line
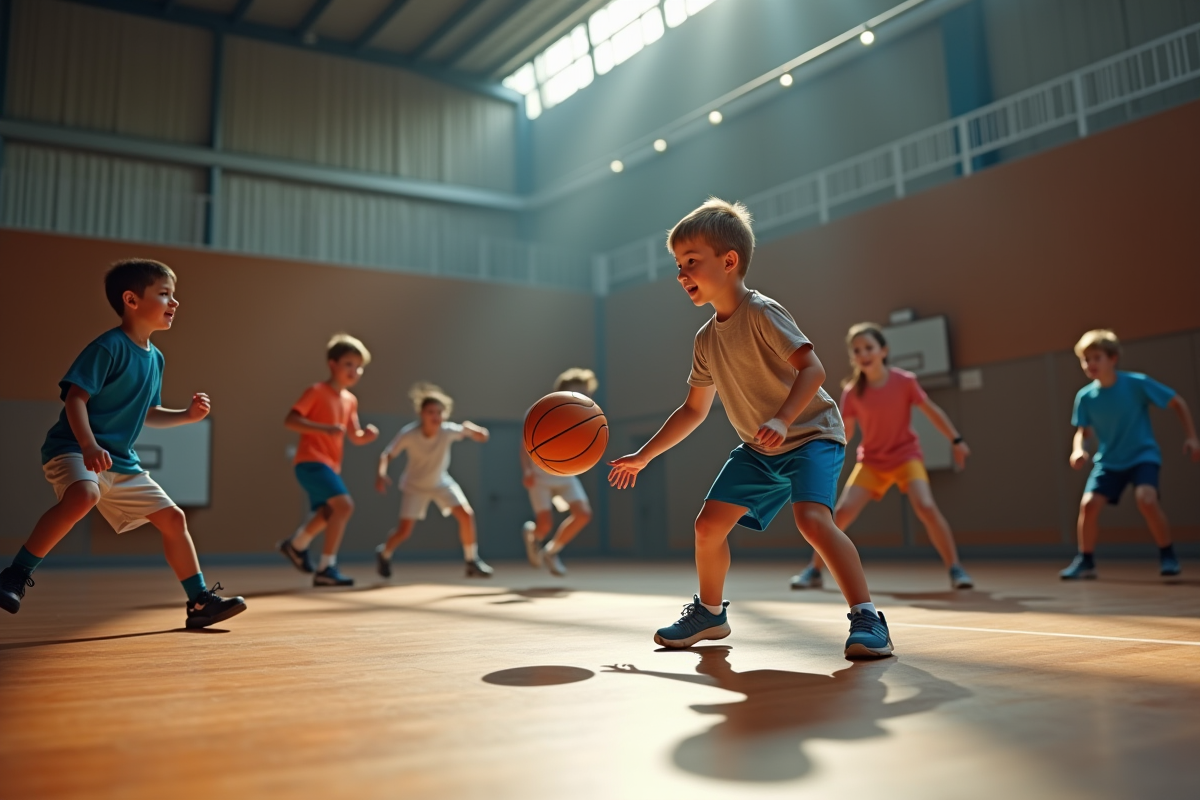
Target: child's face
<point>704,273</point>
<point>155,309</point>
<point>867,352</point>
<point>433,415</point>
<point>1096,363</point>
<point>577,386</point>
<point>346,370</point>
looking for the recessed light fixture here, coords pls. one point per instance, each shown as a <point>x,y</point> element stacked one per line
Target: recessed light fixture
<point>867,37</point>
<point>785,79</point>
<point>660,145</point>
<point>715,117</point>
<point>617,165</point>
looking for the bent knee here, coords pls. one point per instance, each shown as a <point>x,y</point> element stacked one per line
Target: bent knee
<point>170,520</point>
<point>582,514</point>
<point>811,518</point>
<point>1092,503</point>
<point>342,504</point>
<point>82,495</point>
<point>709,532</point>
<point>1146,496</point>
<point>924,508</point>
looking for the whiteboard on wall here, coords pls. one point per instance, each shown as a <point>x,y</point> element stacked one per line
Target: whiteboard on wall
<point>179,459</point>
<point>921,347</point>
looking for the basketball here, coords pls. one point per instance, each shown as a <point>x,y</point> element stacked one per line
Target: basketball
<point>565,433</point>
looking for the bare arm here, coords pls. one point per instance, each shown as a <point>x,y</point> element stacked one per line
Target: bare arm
<point>678,426</point>
<point>159,417</point>
<point>476,432</point>
<point>1079,452</point>
<point>382,481</point>
<point>1191,445</point>
<point>810,376</point>
<point>946,428</point>
<point>851,426</point>
<point>95,457</point>
<point>360,435</point>
<point>295,421</point>
<point>527,474</point>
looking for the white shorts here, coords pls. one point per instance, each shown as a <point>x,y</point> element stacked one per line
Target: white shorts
<point>560,490</point>
<point>414,501</point>
<point>125,500</point>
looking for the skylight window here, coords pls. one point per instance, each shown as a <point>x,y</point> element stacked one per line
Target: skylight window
<point>612,35</point>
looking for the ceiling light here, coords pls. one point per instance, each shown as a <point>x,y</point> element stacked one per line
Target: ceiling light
<point>660,145</point>
<point>867,37</point>
<point>617,166</point>
<point>785,79</point>
<point>715,117</point>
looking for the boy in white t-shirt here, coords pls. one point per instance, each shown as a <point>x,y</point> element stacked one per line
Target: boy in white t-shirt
<point>427,442</point>
<point>563,492</point>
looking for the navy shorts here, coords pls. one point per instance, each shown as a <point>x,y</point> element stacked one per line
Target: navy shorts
<point>320,482</point>
<point>1109,483</point>
<point>765,484</point>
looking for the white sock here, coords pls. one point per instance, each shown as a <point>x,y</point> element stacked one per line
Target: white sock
<point>552,547</point>
<point>714,610</point>
<point>864,607</point>
<point>470,551</point>
<point>327,561</point>
<point>301,541</point>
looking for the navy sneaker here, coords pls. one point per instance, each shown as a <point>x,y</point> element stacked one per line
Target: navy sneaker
<point>1168,565</point>
<point>331,577</point>
<point>13,581</point>
<point>809,578</point>
<point>478,569</point>
<point>869,637</point>
<point>383,564</point>
<point>210,608</point>
<point>696,624</point>
<point>1080,569</point>
<point>533,548</point>
<point>299,558</point>
<point>959,579</point>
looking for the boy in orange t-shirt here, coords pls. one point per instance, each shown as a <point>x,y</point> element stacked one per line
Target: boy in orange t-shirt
<point>323,415</point>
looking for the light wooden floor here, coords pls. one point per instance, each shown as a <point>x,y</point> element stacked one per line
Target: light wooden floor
<point>533,687</point>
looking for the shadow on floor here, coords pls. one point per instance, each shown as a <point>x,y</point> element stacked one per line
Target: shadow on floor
<point>538,676</point>
<point>315,591</point>
<point>517,595</point>
<point>761,739</point>
<point>966,600</point>
<point>22,645</point>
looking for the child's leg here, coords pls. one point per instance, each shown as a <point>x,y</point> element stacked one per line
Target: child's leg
<point>580,516</point>
<point>543,523</point>
<point>1089,521</point>
<point>713,525</point>
<point>921,498</point>
<point>79,498</point>
<point>311,527</point>
<point>1156,518</point>
<point>815,522</point>
<point>177,542</point>
<point>466,525</point>
<point>341,507</point>
<point>404,529</point>
<point>853,500</point>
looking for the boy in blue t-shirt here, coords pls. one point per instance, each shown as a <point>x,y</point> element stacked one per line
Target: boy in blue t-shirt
<point>111,391</point>
<point>1115,406</point>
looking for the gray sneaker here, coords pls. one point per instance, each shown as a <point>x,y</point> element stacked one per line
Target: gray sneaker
<point>959,579</point>
<point>809,578</point>
<point>553,563</point>
<point>533,548</point>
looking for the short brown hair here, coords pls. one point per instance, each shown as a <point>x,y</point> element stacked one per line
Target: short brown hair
<point>577,375</point>
<point>343,343</point>
<point>132,275</point>
<point>721,225</point>
<point>1102,339</point>
<point>423,393</point>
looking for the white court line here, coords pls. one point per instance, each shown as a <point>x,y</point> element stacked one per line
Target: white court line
<point>1032,633</point>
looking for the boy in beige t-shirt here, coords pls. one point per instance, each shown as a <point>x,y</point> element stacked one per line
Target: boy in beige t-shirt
<point>752,353</point>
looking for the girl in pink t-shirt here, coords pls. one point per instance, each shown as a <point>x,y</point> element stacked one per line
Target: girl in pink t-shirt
<point>879,400</point>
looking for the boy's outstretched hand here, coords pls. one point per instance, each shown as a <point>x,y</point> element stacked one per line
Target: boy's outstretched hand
<point>625,470</point>
<point>960,452</point>
<point>199,407</point>
<point>369,434</point>
<point>1191,447</point>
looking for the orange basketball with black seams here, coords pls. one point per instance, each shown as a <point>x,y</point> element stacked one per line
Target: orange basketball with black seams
<point>565,433</point>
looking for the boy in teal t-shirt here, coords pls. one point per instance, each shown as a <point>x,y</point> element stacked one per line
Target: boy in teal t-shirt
<point>111,391</point>
<point>1115,406</point>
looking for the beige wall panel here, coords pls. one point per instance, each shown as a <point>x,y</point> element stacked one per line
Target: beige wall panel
<point>87,68</point>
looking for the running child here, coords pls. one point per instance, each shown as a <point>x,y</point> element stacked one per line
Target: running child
<point>111,391</point>
<point>323,416</point>
<point>752,353</point>
<point>880,399</point>
<point>426,476</point>
<point>1115,407</point>
<point>564,492</point>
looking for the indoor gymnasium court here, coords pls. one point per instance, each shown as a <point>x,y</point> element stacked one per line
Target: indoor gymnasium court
<point>599,398</point>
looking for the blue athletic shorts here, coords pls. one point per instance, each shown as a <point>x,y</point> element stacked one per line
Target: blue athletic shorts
<point>1110,483</point>
<point>765,484</point>
<point>320,482</point>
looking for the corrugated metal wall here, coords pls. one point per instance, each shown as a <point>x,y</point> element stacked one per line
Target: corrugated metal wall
<point>307,107</point>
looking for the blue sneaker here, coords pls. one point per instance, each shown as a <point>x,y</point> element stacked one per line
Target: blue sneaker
<point>331,576</point>
<point>809,578</point>
<point>1168,565</point>
<point>1081,568</point>
<point>959,579</point>
<point>696,624</point>
<point>869,636</point>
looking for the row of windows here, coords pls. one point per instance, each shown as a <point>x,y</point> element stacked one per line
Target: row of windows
<point>612,35</point>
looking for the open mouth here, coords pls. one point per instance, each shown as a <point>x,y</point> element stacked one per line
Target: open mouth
<point>691,290</point>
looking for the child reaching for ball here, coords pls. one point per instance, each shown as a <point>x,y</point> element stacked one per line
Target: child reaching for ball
<point>426,477</point>
<point>752,353</point>
<point>880,399</point>
<point>546,489</point>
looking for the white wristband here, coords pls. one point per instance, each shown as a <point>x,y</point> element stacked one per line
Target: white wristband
<point>776,424</point>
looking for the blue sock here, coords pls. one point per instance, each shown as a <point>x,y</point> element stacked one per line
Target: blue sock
<point>26,560</point>
<point>194,586</point>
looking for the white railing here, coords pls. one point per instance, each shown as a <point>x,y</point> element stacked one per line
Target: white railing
<point>951,147</point>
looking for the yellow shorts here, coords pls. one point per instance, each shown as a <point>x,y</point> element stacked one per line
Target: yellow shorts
<point>878,481</point>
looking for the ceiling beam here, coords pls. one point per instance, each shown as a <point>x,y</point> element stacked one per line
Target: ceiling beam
<point>305,26</point>
<point>484,32</point>
<point>446,28</point>
<point>222,23</point>
<point>377,24</point>
<point>512,54</point>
